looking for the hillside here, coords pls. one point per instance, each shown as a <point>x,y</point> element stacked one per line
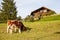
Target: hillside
<point>46,29</point>
<point>51,18</point>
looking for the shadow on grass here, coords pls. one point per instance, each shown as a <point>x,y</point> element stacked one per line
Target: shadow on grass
<point>27,29</point>
<point>57,33</point>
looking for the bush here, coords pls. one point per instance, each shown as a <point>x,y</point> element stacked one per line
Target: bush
<point>52,12</point>
<point>29,19</point>
<point>19,18</point>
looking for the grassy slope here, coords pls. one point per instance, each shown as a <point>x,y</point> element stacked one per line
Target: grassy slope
<point>41,30</point>
<point>51,18</point>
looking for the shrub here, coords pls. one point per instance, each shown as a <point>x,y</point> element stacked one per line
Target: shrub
<point>52,12</point>
<point>19,18</point>
<point>29,19</point>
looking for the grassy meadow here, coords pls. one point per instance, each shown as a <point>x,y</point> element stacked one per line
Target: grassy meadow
<point>45,29</point>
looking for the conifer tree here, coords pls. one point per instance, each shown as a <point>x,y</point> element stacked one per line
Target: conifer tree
<point>9,11</point>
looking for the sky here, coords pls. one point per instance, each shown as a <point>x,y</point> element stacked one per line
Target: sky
<point>25,7</point>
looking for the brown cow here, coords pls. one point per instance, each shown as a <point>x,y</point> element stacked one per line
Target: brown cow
<point>13,25</point>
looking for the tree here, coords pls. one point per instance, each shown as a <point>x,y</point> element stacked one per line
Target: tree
<point>29,19</point>
<point>53,12</point>
<point>9,10</point>
<point>19,18</point>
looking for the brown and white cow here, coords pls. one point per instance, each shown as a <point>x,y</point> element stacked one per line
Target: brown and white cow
<point>13,25</point>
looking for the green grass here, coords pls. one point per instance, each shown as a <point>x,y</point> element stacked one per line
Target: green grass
<point>44,30</point>
<point>51,18</point>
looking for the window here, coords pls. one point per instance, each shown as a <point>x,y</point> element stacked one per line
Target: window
<point>44,10</point>
<point>41,10</point>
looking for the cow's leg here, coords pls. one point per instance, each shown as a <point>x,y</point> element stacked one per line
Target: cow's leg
<point>8,27</point>
<point>11,31</point>
<point>15,29</point>
<point>19,30</point>
<point>11,28</point>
